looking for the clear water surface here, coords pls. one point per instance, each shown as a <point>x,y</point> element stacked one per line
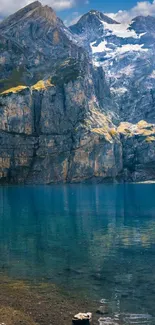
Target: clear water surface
<point>96,239</point>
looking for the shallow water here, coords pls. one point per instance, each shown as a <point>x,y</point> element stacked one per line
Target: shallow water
<point>96,240</point>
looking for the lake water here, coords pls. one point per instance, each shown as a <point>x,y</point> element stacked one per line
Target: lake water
<point>96,240</point>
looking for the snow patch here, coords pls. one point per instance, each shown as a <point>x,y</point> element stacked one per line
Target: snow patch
<point>125,49</point>
<point>119,30</point>
<point>131,48</point>
<point>142,34</point>
<point>128,70</point>
<point>111,53</point>
<point>119,91</point>
<point>152,75</point>
<point>102,47</point>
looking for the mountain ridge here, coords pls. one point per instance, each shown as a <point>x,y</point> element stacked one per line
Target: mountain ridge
<point>19,14</point>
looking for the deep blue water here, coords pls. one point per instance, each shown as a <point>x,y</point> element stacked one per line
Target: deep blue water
<point>96,239</point>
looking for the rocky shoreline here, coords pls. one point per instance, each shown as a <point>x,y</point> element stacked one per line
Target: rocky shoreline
<point>27,303</point>
<point>24,303</point>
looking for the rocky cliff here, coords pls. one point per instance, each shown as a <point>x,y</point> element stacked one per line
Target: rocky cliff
<point>59,119</point>
<point>49,131</point>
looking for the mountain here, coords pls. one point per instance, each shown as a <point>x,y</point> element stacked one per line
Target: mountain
<point>91,26</point>
<point>143,24</point>
<point>50,104</point>
<point>126,53</point>
<point>76,104</point>
<point>33,42</point>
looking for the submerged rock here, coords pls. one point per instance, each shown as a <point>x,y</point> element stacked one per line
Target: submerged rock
<point>107,321</point>
<point>103,310</point>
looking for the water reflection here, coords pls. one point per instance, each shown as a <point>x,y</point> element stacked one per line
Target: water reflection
<point>99,240</point>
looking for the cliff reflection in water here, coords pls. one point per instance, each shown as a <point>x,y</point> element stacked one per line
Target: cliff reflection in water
<point>97,239</point>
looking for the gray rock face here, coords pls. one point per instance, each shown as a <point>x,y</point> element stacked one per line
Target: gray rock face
<point>138,160</point>
<point>49,132</point>
<point>60,115</point>
<point>138,142</point>
<point>45,141</point>
<point>143,24</point>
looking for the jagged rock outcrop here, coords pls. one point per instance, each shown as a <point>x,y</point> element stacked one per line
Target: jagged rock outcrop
<point>138,151</point>
<point>32,42</point>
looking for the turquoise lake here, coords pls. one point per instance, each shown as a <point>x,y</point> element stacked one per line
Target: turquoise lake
<point>96,240</point>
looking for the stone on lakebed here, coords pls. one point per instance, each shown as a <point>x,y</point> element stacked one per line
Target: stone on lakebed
<point>82,318</point>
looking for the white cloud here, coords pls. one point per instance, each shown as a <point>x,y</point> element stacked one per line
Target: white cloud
<point>143,8</point>
<point>72,19</point>
<point>60,4</point>
<point>10,6</point>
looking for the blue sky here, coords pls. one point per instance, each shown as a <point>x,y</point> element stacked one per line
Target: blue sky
<point>101,5</point>
<point>121,10</point>
<point>105,5</point>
